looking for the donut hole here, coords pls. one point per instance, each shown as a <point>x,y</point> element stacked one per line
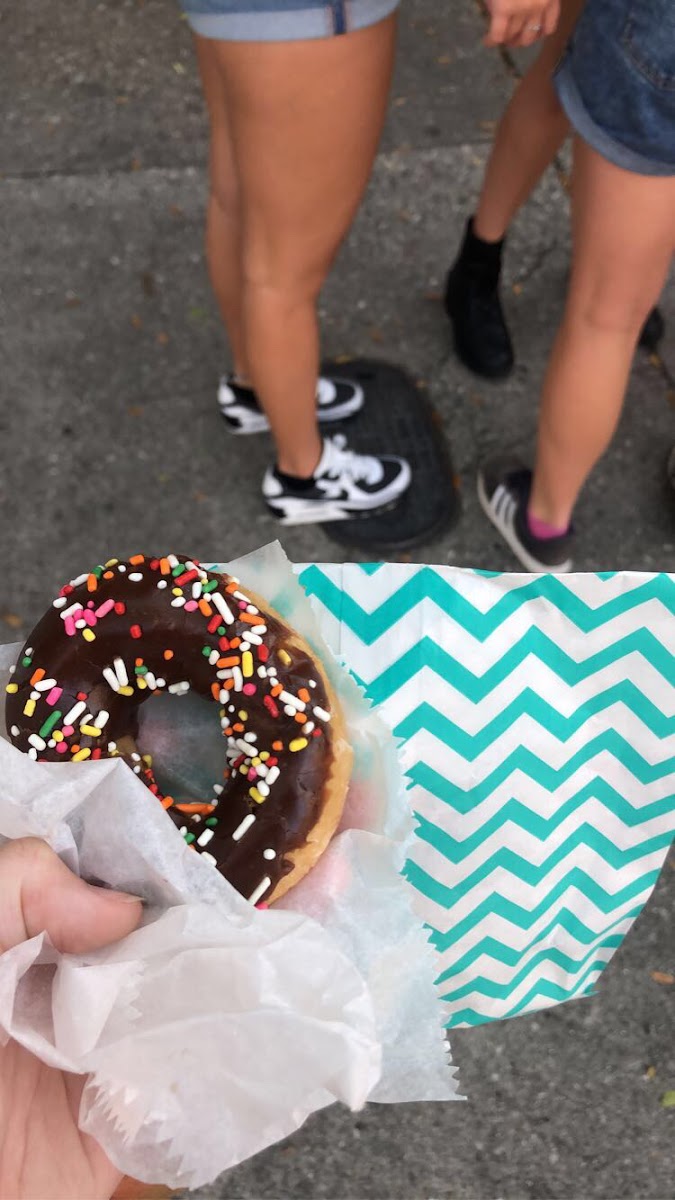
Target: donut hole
<point>183,735</point>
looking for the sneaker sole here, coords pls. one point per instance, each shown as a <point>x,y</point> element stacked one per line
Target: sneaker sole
<point>326,515</point>
<point>530,563</point>
<point>246,426</point>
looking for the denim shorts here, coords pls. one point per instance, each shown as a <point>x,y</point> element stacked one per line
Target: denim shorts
<point>282,20</point>
<point>616,83</point>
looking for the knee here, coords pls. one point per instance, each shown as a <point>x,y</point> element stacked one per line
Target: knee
<point>287,278</point>
<point>613,309</point>
<point>605,315</point>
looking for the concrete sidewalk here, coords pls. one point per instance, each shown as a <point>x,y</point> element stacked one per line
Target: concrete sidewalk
<point>110,351</point>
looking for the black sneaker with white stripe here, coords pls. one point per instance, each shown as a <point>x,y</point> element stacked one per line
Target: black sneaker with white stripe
<point>344,485</point>
<point>504,491</point>
<point>239,405</point>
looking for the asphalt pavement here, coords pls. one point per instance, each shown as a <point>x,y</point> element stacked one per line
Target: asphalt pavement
<point>110,351</point>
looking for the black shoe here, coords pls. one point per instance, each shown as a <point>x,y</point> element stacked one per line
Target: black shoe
<point>239,405</point>
<point>652,330</point>
<point>472,302</point>
<point>504,491</point>
<point>344,485</point>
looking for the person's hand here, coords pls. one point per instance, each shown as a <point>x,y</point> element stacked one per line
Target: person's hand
<point>521,22</point>
<point>43,1155</point>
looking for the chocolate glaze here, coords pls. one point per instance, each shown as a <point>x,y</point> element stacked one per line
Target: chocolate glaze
<point>286,816</point>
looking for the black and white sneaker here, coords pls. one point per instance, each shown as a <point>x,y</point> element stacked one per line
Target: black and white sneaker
<point>239,405</point>
<point>504,491</point>
<point>345,484</point>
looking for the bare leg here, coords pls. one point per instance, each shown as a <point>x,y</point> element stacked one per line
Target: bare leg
<point>624,239</point>
<point>223,216</point>
<point>530,134</point>
<point>305,119</point>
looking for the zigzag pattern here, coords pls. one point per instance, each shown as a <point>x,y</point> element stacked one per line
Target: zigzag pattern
<point>433,584</point>
<point>537,726</point>
<point>425,653</point>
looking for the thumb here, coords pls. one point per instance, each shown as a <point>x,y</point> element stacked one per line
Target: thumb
<point>39,894</point>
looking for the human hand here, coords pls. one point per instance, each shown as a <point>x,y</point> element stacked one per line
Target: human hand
<point>521,22</point>
<point>43,1154</point>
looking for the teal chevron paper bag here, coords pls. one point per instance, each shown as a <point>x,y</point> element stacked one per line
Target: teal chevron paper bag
<point>537,724</point>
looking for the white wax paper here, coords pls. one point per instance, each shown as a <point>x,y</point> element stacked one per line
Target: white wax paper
<point>216,1029</point>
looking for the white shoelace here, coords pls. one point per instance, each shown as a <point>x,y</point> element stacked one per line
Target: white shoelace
<point>359,467</point>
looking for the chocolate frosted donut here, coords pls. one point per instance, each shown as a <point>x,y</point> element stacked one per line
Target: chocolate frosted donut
<point>130,630</point>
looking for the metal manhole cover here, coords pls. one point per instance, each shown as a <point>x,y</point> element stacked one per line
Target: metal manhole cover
<point>397,418</point>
